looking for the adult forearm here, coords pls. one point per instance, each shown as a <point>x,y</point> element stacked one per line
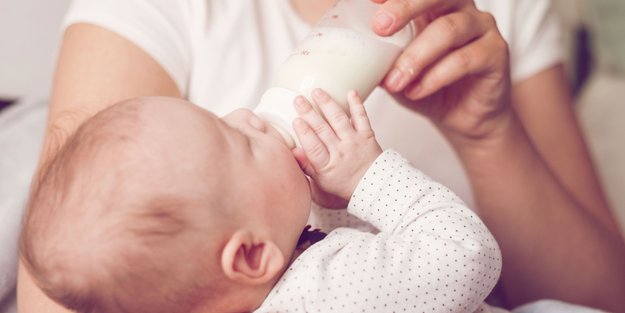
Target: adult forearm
<point>551,246</point>
<point>545,107</point>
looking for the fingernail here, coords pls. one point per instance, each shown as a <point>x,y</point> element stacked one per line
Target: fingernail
<point>414,92</point>
<point>384,20</point>
<point>300,103</point>
<point>319,94</point>
<point>395,80</point>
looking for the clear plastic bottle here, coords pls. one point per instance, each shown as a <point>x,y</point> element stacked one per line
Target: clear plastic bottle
<point>340,54</point>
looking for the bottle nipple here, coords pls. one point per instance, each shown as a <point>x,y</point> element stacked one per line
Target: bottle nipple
<point>276,107</point>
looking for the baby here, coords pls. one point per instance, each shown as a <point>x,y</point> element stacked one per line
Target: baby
<point>156,205</point>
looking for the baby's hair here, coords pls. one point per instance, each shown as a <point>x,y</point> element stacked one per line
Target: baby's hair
<point>94,241</point>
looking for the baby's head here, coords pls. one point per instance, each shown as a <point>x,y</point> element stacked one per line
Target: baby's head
<point>155,205</point>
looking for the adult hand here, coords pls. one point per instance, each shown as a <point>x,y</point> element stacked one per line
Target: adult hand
<point>455,71</point>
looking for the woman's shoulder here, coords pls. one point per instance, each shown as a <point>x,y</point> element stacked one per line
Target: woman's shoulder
<point>532,32</point>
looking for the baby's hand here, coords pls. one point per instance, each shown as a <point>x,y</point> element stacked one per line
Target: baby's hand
<point>336,151</point>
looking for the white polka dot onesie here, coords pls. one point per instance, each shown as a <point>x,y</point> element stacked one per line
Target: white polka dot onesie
<point>430,253</point>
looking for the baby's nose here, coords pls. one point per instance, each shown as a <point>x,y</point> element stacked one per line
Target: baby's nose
<point>248,117</point>
<point>257,123</point>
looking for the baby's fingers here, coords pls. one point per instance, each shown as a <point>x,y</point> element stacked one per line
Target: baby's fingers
<point>316,151</point>
<point>360,120</point>
<point>334,114</point>
<point>315,121</point>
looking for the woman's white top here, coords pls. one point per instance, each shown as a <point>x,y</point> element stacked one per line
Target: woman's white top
<point>223,54</point>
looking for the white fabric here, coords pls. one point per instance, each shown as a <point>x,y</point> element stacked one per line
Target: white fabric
<point>21,135</point>
<point>430,253</point>
<point>553,306</point>
<point>222,55</point>
<point>532,31</point>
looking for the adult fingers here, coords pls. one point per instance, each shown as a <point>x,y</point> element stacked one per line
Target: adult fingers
<point>444,34</point>
<point>393,15</point>
<point>316,152</point>
<point>480,57</point>
<point>333,113</point>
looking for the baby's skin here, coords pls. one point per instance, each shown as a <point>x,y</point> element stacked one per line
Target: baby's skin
<point>212,206</point>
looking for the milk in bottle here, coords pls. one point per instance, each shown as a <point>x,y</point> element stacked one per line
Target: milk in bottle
<point>340,54</point>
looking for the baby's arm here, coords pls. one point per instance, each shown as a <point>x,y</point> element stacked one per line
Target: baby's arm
<point>432,253</point>
<point>335,154</point>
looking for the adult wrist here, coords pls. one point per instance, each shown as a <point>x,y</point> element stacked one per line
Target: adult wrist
<point>507,130</point>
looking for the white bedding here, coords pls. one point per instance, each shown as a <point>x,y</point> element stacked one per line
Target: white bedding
<point>21,134</point>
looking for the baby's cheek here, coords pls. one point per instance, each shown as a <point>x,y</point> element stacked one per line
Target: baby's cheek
<point>304,195</point>
<point>301,184</point>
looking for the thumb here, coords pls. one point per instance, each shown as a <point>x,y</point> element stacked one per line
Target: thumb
<point>302,160</point>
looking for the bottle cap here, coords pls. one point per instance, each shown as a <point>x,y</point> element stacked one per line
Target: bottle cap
<point>276,107</point>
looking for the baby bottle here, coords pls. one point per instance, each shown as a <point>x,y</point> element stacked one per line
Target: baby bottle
<point>341,53</point>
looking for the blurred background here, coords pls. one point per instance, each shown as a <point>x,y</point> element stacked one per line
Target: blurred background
<point>29,38</point>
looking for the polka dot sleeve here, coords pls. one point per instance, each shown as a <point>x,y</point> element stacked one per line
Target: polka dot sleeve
<point>431,254</point>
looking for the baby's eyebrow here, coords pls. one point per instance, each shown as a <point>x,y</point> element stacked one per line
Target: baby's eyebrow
<point>161,217</point>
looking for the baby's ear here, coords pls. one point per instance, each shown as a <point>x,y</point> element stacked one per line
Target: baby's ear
<point>246,260</point>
